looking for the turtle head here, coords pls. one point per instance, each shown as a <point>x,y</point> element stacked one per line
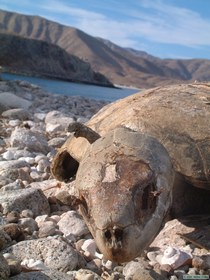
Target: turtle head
<point>125,182</point>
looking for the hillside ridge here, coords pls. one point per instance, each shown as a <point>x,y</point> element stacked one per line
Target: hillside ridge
<point>122,66</point>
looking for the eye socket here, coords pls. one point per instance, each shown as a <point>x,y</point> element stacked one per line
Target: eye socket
<point>84,207</point>
<point>148,200</point>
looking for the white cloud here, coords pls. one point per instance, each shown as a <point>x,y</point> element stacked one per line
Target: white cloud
<point>156,21</point>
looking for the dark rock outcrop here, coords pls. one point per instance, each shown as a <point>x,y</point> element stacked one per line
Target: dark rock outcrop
<point>39,58</point>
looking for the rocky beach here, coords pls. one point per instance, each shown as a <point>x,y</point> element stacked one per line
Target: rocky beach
<point>42,235</point>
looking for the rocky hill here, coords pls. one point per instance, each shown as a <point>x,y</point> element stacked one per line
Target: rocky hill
<point>39,58</point>
<point>121,65</point>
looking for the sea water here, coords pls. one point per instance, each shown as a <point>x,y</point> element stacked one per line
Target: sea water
<point>74,89</point>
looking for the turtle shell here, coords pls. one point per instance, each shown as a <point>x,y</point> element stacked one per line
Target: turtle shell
<point>178,116</point>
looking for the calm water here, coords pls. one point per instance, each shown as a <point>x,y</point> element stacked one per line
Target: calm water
<point>67,88</point>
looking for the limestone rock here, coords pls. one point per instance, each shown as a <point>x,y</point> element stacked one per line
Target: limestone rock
<point>19,114</point>
<point>11,100</point>
<point>54,251</point>
<point>43,275</point>
<point>72,223</point>
<point>4,269</point>
<point>22,199</point>
<point>33,141</point>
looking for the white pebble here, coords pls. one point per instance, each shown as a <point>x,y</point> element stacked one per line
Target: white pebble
<point>35,264</point>
<point>29,160</point>
<point>14,123</point>
<point>8,155</point>
<point>89,247</point>
<point>41,219</point>
<point>39,157</point>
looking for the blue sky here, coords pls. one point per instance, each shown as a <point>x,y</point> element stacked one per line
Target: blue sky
<point>163,28</point>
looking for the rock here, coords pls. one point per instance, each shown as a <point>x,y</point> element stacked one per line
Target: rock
<point>48,228</point>
<point>43,165</point>
<point>85,274</point>
<point>41,219</point>
<point>170,235</point>
<point>5,239</point>
<point>56,117</point>
<point>33,264</point>
<point>22,199</point>
<point>174,257</point>
<point>4,181</point>
<point>202,262</point>
<point>12,164</point>
<point>54,128</point>
<point>72,223</point>
<point>13,230</point>
<point>144,274</point>
<point>28,224</point>
<point>27,213</point>
<point>14,266</point>
<point>33,141</point>
<point>4,269</point>
<point>15,123</point>
<point>89,248</point>
<point>8,155</point>
<point>54,251</point>
<point>56,142</point>
<point>18,184</point>
<point>43,275</point>
<point>13,217</point>
<point>11,100</point>
<point>131,267</point>
<point>19,114</point>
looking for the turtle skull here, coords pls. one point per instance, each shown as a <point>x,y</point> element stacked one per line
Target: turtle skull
<point>125,182</point>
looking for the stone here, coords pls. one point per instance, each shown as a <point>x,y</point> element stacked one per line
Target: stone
<point>27,213</point>
<point>11,100</point>
<point>131,267</point>
<point>22,199</point>
<point>18,184</point>
<point>72,223</point>
<point>13,217</point>
<point>85,274</point>
<point>4,269</point>
<point>19,114</point>
<point>13,230</point>
<point>56,117</point>
<point>48,228</point>
<point>41,219</point>
<point>43,165</point>
<point>54,251</point>
<point>33,264</point>
<point>170,235</point>
<point>12,164</point>
<point>56,142</point>
<point>89,248</point>
<point>8,155</point>
<point>14,266</point>
<point>28,224</point>
<point>14,123</point>
<point>49,274</point>
<point>33,141</point>
<point>5,239</point>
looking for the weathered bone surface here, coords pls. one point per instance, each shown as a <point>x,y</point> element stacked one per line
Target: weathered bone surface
<point>80,130</point>
<point>153,155</point>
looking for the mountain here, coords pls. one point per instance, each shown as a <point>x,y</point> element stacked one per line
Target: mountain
<point>122,66</point>
<point>39,58</point>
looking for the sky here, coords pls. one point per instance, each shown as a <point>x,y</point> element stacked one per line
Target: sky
<point>163,28</point>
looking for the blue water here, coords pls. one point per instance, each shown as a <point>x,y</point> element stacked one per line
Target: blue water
<point>67,88</point>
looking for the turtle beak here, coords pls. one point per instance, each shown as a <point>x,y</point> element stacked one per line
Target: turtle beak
<point>118,244</point>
